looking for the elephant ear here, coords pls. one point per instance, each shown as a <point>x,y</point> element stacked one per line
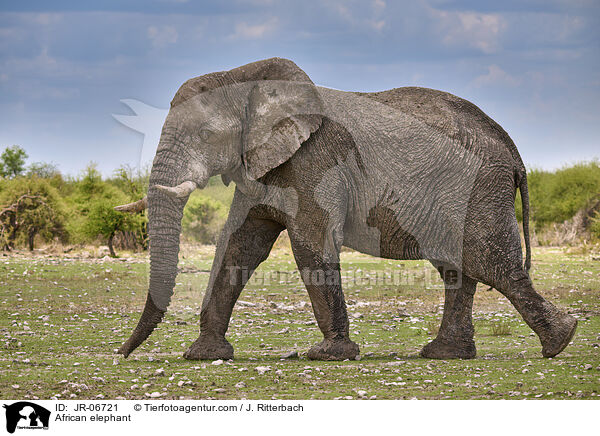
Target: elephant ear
<point>280,116</point>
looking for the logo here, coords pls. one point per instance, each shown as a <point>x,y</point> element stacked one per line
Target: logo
<point>26,415</point>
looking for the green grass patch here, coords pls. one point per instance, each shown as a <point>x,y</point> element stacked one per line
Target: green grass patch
<point>62,318</point>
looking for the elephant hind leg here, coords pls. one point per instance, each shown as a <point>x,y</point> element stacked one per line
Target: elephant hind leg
<point>554,327</point>
<point>323,281</point>
<point>501,266</point>
<point>455,336</point>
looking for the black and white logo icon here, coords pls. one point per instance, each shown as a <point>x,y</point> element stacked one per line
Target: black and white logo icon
<point>26,415</point>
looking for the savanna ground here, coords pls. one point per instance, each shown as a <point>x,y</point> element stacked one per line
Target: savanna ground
<point>62,316</point>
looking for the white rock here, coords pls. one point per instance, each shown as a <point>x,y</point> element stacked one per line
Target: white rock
<point>262,369</point>
<point>217,362</point>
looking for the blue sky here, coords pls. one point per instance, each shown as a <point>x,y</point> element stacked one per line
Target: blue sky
<point>65,66</point>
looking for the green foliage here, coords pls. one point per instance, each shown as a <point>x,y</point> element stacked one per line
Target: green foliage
<point>216,190</point>
<point>131,181</point>
<point>595,226</point>
<point>103,220</point>
<point>29,207</point>
<point>91,184</point>
<point>92,205</point>
<point>203,218</point>
<point>43,170</point>
<point>557,196</point>
<point>12,161</point>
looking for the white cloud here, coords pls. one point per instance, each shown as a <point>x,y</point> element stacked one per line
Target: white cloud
<point>161,36</point>
<point>496,76</point>
<point>378,5</point>
<point>244,30</point>
<point>361,17</point>
<point>471,29</point>
<point>377,24</point>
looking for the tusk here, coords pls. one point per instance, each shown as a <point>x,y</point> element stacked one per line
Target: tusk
<point>179,191</point>
<point>135,207</point>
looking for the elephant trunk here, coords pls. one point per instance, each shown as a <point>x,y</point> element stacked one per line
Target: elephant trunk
<point>164,227</point>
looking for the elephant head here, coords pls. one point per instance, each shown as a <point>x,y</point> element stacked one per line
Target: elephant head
<point>241,124</point>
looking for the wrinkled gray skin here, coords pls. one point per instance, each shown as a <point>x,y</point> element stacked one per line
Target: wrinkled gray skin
<point>409,173</point>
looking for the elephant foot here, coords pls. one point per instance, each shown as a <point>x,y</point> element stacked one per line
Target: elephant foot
<point>331,349</point>
<point>448,349</point>
<point>560,335</point>
<point>209,348</point>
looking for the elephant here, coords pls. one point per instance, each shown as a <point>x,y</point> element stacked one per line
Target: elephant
<point>407,173</point>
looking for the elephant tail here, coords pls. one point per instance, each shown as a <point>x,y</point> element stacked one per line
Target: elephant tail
<point>522,184</point>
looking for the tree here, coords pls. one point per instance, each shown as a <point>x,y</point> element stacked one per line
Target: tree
<point>29,206</point>
<point>133,182</point>
<point>43,169</point>
<point>12,161</point>
<point>91,184</point>
<point>103,220</point>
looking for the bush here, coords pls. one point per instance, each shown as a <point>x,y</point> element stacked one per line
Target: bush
<point>557,196</point>
<point>203,218</point>
<point>103,220</point>
<point>92,214</point>
<point>30,207</point>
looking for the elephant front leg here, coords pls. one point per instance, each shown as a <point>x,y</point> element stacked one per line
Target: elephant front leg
<point>237,256</point>
<point>455,336</point>
<point>323,282</point>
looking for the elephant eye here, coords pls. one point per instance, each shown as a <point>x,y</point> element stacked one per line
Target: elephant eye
<point>205,135</point>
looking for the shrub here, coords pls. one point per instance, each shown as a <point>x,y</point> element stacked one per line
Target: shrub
<point>30,207</point>
<point>203,218</point>
<point>92,214</point>
<point>103,220</point>
<point>557,196</point>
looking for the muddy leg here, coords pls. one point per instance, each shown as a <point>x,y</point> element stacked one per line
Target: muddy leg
<point>554,328</point>
<point>323,282</point>
<point>235,260</point>
<point>455,337</point>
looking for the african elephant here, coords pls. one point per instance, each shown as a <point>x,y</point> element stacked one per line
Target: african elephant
<point>409,173</point>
